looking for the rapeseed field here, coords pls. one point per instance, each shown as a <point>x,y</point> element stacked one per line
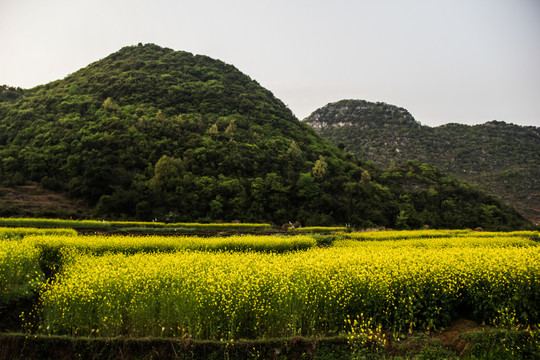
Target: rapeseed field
<point>401,285</point>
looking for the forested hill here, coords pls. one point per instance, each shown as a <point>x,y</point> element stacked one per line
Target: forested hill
<point>149,133</point>
<point>501,159</point>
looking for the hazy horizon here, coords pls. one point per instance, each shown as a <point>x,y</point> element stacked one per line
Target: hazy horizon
<point>466,62</point>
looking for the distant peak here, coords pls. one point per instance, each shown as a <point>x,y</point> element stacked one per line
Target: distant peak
<point>359,113</point>
<point>497,123</point>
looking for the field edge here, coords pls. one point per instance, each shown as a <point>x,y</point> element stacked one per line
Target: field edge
<point>464,340</point>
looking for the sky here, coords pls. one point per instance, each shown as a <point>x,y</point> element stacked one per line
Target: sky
<point>446,61</point>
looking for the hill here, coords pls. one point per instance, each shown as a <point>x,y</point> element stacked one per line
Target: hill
<point>149,132</point>
<point>34,200</point>
<point>499,158</point>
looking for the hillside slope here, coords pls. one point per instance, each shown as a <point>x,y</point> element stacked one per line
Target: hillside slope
<point>149,132</point>
<point>501,159</point>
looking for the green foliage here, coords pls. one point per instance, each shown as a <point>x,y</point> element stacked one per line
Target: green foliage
<point>503,344</point>
<point>107,225</point>
<point>149,133</point>
<point>500,158</point>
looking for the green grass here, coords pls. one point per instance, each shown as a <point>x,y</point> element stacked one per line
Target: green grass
<point>479,345</point>
<point>94,224</point>
<point>322,229</point>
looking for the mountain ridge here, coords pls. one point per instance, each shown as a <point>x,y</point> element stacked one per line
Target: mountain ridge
<point>149,132</point>
<point>501,158</point>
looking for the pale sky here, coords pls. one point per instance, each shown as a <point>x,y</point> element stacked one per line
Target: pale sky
<point>463,61</point>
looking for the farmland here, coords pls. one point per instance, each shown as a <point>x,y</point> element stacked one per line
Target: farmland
<point>141,225</point>
<point>365,287</point>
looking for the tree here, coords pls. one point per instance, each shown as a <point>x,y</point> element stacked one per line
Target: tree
<point>366,177</point>
<point>109,105</point>
<point>307,188</point>
<point>216,207</point>
<point>166,170</point>
<point>401,221</point>
<point>229,131</point>
<point>294,153</point>
<point>320,168</point>
<point>213,131</point>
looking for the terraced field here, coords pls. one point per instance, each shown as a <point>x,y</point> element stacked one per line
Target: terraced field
<point>361,286</point>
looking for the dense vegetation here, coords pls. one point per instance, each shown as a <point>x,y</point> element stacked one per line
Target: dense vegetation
<point>149,133</point>
<point>502,159</point>
<point>364,290</point>
<point>264,287</point>
<point>228,295</point>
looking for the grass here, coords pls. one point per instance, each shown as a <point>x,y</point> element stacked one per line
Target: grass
<point>320,229</point>
<point>475,345</point>
<point>94,224</point>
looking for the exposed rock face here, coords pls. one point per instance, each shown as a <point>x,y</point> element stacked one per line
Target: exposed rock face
<point>358,113</point>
